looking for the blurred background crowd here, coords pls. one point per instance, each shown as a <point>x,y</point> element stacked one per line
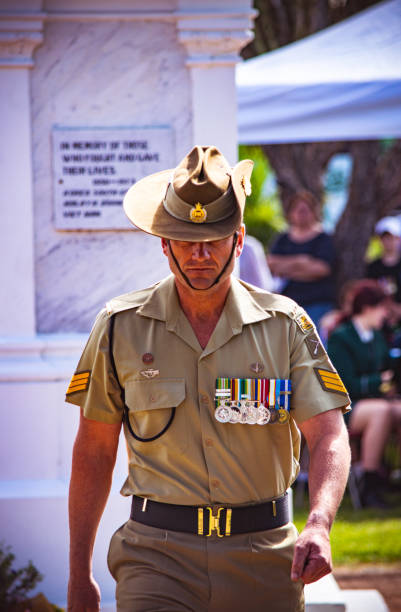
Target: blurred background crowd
<point>327,214</point>
<point>359,322</point>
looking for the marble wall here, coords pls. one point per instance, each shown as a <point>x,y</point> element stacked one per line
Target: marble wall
<point>107,74</point>
<point>85,64</point>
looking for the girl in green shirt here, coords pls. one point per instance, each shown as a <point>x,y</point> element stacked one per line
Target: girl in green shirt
<point>360,353</point>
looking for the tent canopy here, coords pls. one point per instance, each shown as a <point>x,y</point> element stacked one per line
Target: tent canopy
<point>343,83</point>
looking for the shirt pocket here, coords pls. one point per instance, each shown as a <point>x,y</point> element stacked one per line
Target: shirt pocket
<point>151,404</point>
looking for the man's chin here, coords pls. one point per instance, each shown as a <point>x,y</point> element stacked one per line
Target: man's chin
<point>202,283</point>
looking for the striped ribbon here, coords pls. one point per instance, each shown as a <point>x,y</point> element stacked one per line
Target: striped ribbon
<point>274,392</point>
<point>286,394</point>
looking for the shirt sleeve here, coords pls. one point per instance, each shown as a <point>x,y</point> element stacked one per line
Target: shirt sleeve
<point>316,385</point>
<point>94,386</point>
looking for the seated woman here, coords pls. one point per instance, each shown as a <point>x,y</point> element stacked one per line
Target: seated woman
<point>361,355</point>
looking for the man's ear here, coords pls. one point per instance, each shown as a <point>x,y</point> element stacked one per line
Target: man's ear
<point>240,240</point>
<point>164,243</point>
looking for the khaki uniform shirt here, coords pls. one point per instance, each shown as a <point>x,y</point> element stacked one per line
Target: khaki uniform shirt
<point>199,460</point>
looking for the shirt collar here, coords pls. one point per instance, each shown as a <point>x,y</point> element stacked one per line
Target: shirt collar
<point>241,307</point>
<point>366,335</point>
<point>161,301</point>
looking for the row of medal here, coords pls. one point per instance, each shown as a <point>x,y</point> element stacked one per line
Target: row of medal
<point>252,401</point>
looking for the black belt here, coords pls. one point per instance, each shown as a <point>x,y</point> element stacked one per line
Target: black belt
<point>205,520</point>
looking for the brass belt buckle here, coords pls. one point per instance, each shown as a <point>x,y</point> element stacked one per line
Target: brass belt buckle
<point>214,521</point>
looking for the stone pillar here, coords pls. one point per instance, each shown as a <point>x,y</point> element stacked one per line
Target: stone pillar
<point>213,40</point>
<point>18,40</point>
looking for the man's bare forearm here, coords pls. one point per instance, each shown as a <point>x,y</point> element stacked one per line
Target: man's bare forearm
<point>328,475</point>
<point>329,451</point>
<point>89,490</point>
<point>91,476</point>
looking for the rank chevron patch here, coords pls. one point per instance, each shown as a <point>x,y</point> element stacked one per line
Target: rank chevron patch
<point>330,381</point>
<point>79,382</point>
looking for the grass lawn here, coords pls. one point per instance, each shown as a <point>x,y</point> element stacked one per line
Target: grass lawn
<point>363,536</point>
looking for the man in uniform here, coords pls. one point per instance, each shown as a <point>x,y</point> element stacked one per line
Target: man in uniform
<point>212,379</point>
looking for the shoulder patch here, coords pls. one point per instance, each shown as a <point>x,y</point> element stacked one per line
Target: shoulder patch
<point>304,322</point>
<point>79,382</point>
<point>330,381</point>
<point>315,347</point>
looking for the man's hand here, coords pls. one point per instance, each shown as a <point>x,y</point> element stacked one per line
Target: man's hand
<point>329,460</point>
<point>312,555</point>
<point>83,596</point>
<point>93,461</point>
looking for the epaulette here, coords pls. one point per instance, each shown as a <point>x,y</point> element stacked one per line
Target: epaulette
<point>126,301</point>
<point>273,302</point>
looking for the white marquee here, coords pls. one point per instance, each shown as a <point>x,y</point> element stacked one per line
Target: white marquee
<point>343,83</point>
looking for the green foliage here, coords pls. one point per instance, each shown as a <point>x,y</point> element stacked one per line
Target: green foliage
<point>372,545</point>
<point>375,249</point>
<point>263,213</point>
<point>15,584</point>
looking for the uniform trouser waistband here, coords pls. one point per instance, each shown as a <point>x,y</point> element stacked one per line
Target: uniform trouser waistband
<point>205,520</point>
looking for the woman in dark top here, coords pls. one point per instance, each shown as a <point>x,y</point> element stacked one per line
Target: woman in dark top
<point>361,355</point>
<point>304,257</point>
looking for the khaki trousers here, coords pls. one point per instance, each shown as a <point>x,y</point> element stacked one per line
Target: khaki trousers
<point>168,571</point>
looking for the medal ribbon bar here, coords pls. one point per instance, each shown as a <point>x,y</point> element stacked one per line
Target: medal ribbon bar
<point>252,400</point>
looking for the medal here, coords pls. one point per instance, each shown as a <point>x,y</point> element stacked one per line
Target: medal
<point>252,401</point>
<point>273,415</point>
<point>235,413</point>
<point>244,407</point>
<point>282,416</point>
<point>222,414</point>
<point>252,415</point>
<point>264,415</point>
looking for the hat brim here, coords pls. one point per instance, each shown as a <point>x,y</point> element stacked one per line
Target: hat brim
<point>143,205</point>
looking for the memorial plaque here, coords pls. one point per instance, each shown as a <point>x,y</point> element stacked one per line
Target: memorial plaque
<point>94,167</point>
